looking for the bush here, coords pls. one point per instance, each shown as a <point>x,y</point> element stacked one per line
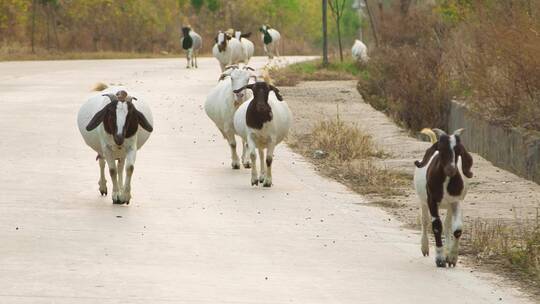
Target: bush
<point>484,53</point>
<point>406,76</point>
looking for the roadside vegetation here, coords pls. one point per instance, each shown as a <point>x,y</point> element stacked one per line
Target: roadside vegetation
<point>342,151</point>
<point>484,53</point>
<point>514,245</point>
<point>33,29</point>
<point>314,70</point>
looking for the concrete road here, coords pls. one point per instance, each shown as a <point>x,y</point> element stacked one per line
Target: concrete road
<point>196,232</point>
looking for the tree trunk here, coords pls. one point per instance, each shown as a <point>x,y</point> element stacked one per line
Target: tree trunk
<point>48,18</point>
<point>404,7</point>
<point>325,32</point>
<point>339,39</point>
<point>372,24</point>
<point>33,23</point>
<point>55,31</point>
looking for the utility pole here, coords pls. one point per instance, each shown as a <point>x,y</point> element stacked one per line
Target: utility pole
<point>325,32</point>
<point>33,23</point>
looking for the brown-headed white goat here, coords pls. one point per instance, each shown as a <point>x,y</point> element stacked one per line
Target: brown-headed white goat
<point>263,122</point>
<point>109,123</point>
<point>441,181</point>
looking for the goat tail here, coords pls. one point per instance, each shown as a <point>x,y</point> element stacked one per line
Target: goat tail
<point>432,136</point>
<point>100,86</point>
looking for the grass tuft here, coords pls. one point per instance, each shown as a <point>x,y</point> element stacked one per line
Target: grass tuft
<point>314,70</point>
<point>350,157</point>
<point>516,244</point>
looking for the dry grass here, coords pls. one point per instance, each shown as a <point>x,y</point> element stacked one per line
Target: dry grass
<point>513,244</point>
<point>482,52</point>
<point>345,153</point>
<point>20,53</point>
<point>313,70</point>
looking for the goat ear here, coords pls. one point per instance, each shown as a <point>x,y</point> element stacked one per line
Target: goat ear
<point>143,122</point>
<point>466,161</point>
<point>225,74</point>
<point>427,156</point>
<point>459,131</point>
<point>249,86</point>
<point>97,119</point>
<point>276,91</point>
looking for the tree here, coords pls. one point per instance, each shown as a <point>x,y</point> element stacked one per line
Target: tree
<point>337,7</point>
<point>325,32</point>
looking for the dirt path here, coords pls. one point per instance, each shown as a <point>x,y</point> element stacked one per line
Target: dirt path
<point>195,232</point>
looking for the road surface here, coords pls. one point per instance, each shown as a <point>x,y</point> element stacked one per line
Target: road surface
<point>196,231</point>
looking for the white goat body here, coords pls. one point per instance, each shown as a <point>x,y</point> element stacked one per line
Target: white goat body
<point>106,145</point>
<point>221,104</point>
<point>233,53</point>
<point>359,51</point>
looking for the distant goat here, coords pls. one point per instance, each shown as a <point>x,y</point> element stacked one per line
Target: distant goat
<point>109,123</point>
<point>247,46</point>
<point>359,51</point>
<point>227,50</point>
<point>263,122</point>
<point>271,39</point>
<point>441,181</point>
<point>191,43</point>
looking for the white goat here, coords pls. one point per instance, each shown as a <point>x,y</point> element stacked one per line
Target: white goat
<point>247,46</point>
<point>227,50</point>
<point>109,123</point>
<point>441,181</point>
<point>221,104</point>
<point>263,122</point>
<point>191,43</point>
<point>359,51</point>
<point>271,39</point>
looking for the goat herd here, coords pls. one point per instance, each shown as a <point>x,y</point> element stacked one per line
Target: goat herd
<point>109,123</point>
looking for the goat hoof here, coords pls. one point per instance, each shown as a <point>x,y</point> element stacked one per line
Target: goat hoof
<point>267,185</point>
<point>127,202</point>
<point>247,166</point>
<point>440,263</point>
<point>103,193</point>
<point>425,254</point>
<point>255,182</point>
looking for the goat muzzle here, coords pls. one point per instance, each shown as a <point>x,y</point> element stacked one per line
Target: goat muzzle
<point>119,139</point>
<point>450,171</point>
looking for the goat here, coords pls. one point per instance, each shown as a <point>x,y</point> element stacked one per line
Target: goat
<point>271,39</point>
<point>109,123</point>
<point>191,43</point>
<point>227,50</point>
<point>221,104</point>
<point>263,122</point>
<point>441,181</point>
<point>359,51</point>
<point>247,46</point>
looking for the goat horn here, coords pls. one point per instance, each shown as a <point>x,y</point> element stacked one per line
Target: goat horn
<point>432,136</point>
<point>439,131</point>
<point>112,97</point>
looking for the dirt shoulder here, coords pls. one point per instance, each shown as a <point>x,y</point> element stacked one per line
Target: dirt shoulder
<point>495,194</point>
